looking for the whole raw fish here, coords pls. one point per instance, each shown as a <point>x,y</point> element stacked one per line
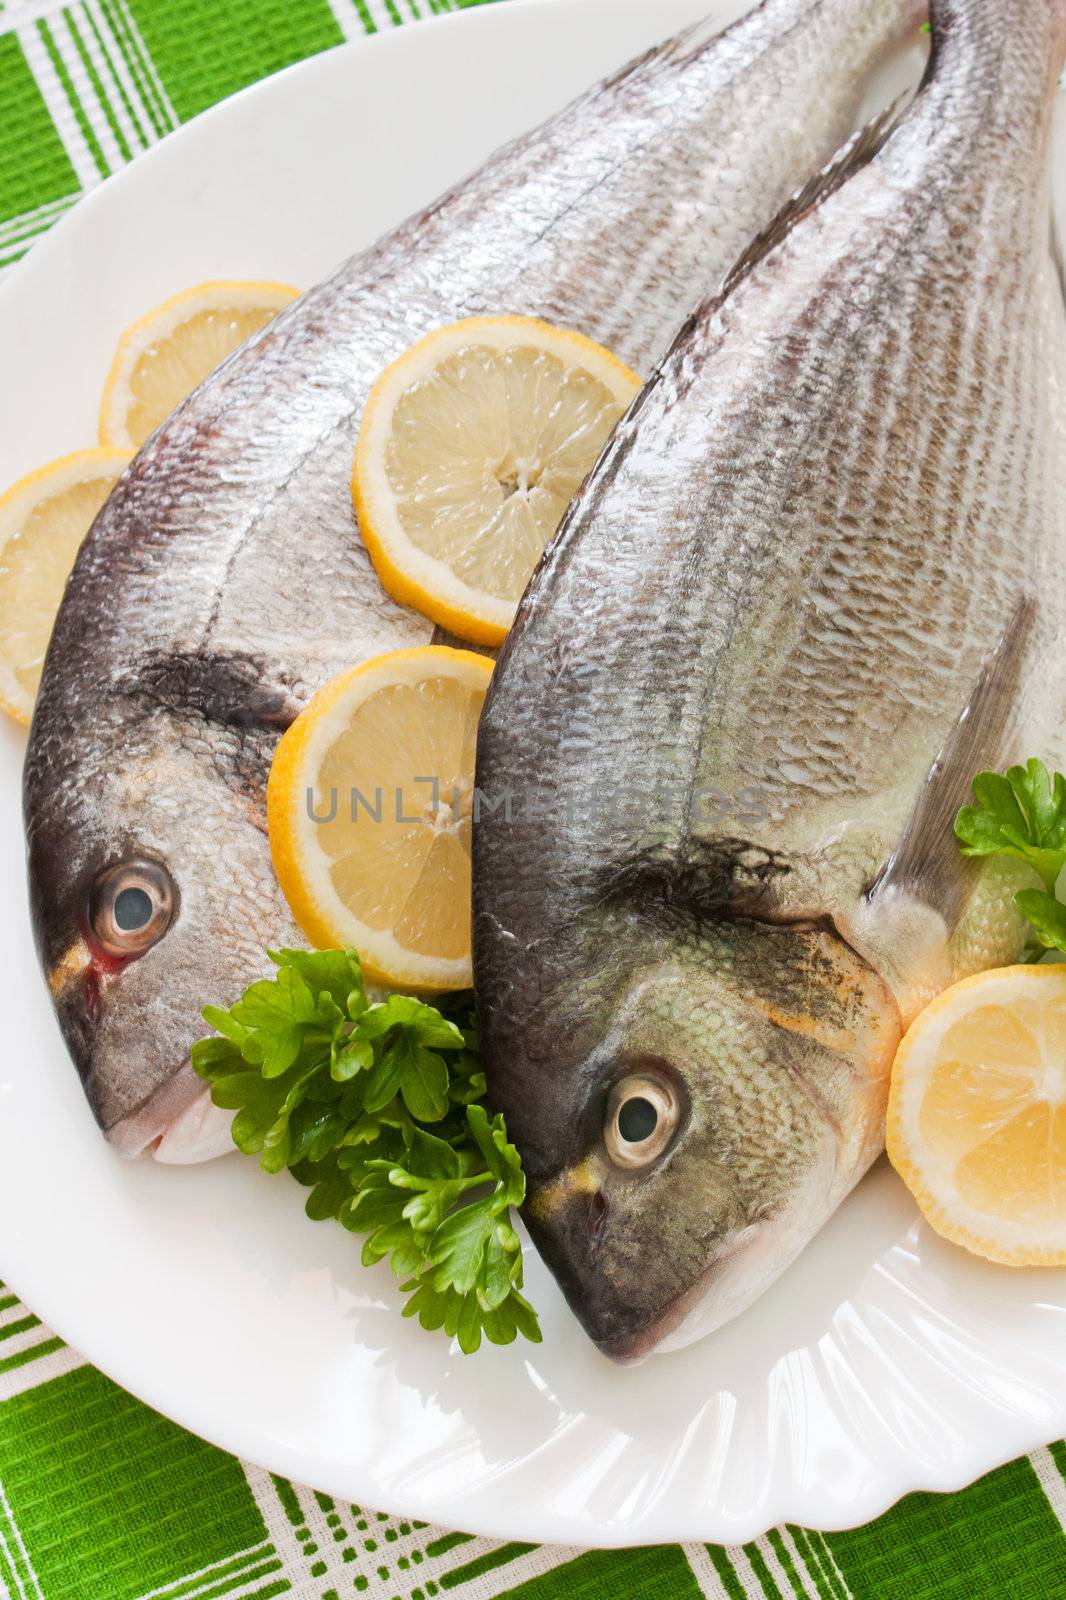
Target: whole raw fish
<point>225,579</point>
<point>814,585</point>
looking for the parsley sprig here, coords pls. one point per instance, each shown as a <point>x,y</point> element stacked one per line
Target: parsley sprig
<point>376,1109</point>
<point>1022,814</point>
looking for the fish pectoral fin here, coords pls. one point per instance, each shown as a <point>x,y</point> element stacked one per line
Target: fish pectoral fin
<point>926,862</point>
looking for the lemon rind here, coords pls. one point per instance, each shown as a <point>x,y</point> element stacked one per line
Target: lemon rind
<point>411,576</point>
<point>315,905</point>
<point>159,323</point>
<point>45,483</point>
<point>999,1239</point>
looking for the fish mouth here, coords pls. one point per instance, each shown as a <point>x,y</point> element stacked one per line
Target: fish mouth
<point>178,1124</point>
<point>624,1331</point>
<point>665,1332</point>
<point>633,1346</point>
<point>630,1309</point>
<point>630,1349</point>
<point>750,1259</point>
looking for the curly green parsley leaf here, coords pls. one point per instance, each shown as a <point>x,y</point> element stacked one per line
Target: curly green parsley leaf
<point>1047,915</point>
<point>1022,814</point>
<point>375,1108</point>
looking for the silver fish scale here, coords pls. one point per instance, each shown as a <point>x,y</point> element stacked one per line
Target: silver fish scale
<point>230,547</point>
<point>606,220</point>
<point>806,598</point>
<point>821,557</point>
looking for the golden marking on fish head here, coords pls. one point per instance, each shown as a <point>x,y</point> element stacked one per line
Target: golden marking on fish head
<point>69,967</point>
<point>553,1196</point>
<point>775,1042</point>
<point>836,997</point>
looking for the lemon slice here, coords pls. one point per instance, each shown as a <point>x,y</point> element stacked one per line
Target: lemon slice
<point>167,353</point>
<point>369,810</point>
<point>471,448</point>
<point>977,1114</point>
<point>43,521</point>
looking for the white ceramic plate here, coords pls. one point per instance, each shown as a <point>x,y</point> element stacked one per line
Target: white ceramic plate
<point>884,1361</point>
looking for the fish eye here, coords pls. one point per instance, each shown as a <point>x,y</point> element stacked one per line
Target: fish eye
<point>131,907</point>
<point>643,1114</point>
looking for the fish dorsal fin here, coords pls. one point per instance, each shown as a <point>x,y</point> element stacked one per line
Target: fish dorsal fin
<point>926,861</point>
<point>682,48</point>
<point>857,153</point>
<point>678,49</point>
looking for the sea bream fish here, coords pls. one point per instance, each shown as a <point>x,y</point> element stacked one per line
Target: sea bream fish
<point>225,581</point>
<point>814,585</point>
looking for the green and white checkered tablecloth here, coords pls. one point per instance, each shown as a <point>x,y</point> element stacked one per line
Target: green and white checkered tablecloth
<point>100,1498</point>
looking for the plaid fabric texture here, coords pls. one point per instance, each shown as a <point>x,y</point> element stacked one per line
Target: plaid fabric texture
<point>100,1498</point>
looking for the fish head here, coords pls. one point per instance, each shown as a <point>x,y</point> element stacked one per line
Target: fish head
<point>727,1094</point>
<point>150,883</point>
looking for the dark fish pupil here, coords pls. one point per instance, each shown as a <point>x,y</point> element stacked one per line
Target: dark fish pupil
<point>133,910</point>
<point>637,1119</point>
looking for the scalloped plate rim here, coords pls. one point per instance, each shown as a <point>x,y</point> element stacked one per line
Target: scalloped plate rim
<point>76,290</point>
